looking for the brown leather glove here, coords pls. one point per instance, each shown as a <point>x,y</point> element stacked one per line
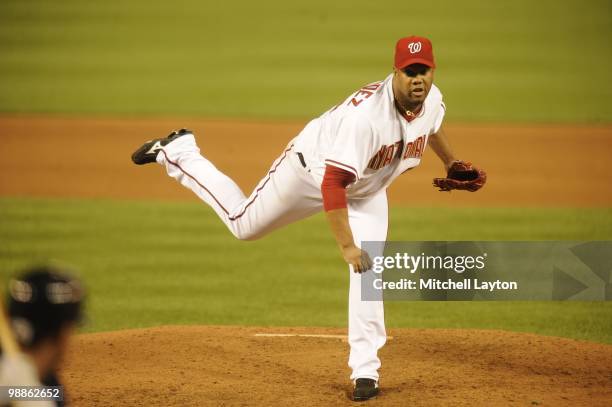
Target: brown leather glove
<point>461,175</point>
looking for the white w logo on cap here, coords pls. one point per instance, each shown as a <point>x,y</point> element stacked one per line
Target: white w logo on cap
<point>414,47</point>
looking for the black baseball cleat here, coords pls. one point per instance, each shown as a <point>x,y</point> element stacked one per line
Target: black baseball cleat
<point>148,152</point>
<point>365,389</point>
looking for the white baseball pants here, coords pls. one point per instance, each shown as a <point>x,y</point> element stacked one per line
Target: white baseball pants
<point>287,194</point>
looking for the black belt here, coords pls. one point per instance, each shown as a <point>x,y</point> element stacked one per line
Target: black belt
<point>301,157</point>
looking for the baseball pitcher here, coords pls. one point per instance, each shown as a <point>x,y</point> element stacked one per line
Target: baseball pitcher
<point>342,162</point>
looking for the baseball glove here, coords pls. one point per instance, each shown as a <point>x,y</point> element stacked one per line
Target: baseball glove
<point>461,175</point>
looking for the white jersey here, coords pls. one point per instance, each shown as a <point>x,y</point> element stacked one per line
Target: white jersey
<point>367,136</point>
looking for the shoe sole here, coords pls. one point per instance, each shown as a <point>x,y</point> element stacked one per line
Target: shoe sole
<point>366,398</point>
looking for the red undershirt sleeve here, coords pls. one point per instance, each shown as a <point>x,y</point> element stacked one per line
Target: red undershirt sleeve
<point>333,187</point>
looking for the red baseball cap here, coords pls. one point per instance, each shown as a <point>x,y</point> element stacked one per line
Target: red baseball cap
<point>413,50</point>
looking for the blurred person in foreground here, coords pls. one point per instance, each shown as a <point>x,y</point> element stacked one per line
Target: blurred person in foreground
<point>44,307</point>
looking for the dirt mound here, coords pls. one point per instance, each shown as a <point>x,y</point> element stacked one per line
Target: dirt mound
<point>533,165</point>
<point>212,365</point>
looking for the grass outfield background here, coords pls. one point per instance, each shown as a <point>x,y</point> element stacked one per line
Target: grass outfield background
<point>147,264</point>
<point>502,61</point>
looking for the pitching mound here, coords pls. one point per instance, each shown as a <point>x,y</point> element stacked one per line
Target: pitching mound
<point>209,365</point>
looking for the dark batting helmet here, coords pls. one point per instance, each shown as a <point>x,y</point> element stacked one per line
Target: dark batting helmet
<point>41,300</point>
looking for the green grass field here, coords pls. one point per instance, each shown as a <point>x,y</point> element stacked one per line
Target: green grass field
<point>148,264</point>
<point>544,61</point>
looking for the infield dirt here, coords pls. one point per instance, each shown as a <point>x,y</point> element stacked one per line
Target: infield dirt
<point>533,165</point>
<point>230,366</point>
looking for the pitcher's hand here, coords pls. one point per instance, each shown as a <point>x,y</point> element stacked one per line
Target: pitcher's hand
<point>359,259</point>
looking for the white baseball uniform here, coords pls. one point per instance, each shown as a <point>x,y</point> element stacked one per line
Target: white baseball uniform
<point>365,135</point>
